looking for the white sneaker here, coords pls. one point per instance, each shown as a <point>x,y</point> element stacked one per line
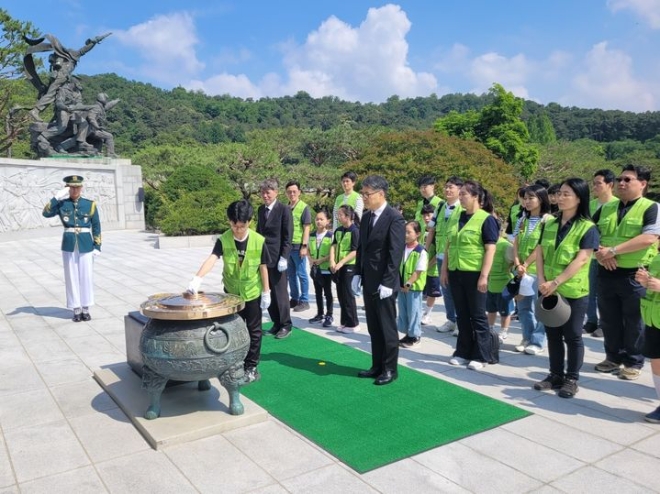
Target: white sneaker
<point>503,335</point>
<point>454,332</point>
<point>476,365</point>
<point>458,361</point>
<point>446,327</point>
<point>340,328</point>
<point>521,346</point>
<point>533,349</point>
<point>348,329</point>
<point>426,320</point>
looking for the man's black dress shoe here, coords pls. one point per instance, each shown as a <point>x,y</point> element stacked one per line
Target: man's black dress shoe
<point>283,333</point>
<point>273,330</point>
<point>386,378</point>
<point>77,317</point>
<point>371,373</point>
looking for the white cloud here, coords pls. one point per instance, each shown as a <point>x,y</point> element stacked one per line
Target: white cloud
<point>647,10</point>
<point>364,63</point>
<point>166,43</point>
<point>607,81</point>
<point>512,73</point>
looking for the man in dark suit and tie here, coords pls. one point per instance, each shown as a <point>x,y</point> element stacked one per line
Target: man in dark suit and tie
<point>382,243</point>
<point>275,223</point>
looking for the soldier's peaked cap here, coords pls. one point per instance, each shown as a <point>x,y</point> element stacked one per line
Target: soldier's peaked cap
<point>73,181</point>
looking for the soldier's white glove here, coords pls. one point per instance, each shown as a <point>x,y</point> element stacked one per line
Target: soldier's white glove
<point>265,300</point>
<point>282,265</point>
<point>430,224</point>
<point>60,195</point>
<point>195,283</point>
<point>96,252</point>
<point>384,292</point>
<point>356,285</point>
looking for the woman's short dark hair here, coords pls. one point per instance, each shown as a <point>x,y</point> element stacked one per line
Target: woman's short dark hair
<point>240,211</point>
<point>540,192</point>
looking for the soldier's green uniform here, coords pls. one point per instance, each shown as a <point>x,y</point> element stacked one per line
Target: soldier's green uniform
<point>80,242</point>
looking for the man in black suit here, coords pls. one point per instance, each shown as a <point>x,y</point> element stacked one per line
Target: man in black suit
<point>275,223</point>
<point>382,243</point>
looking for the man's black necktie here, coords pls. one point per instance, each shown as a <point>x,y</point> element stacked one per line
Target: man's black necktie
<point>372,222</point>
<point>266,213</point>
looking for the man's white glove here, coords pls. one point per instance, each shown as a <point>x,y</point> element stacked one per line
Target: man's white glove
<point>265,300</point>
<point>60,195</point>
<point>96,252</point>
<point>356,285</point>
<point>195,283</point>
<point>384,292</point>
<point>282,265</point>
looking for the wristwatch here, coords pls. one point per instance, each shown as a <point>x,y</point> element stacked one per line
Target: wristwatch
<point>408,285</point>
<point>612,250</point>
<point>303,245</point>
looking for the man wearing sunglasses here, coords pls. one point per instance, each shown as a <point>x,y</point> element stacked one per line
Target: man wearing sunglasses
<point>629,232</point>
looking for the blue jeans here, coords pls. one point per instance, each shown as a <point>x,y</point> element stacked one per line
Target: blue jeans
<point>592,309</point>
<point>450,308</point>
<point>532,330</point>
<point>409,320</point>
<point>298,277</point>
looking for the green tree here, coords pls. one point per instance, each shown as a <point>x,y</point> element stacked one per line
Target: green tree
<point>541,130</point>
<point>12,48</point>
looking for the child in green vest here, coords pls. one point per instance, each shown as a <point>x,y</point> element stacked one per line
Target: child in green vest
<point>319,259</point>
<point>244,273</point>
<point>500,275</point>
<point>413,278</point>
<point>342,265</point>
<point>432,286</point>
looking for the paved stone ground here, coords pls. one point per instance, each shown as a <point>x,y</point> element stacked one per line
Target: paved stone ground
<point>59,432</point>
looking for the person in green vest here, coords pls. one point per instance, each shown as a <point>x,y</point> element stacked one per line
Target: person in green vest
<point>468,260</point>
<point>562,266</point>
<point>343,251</point>
<point>650,306</point>
<point>319,259</point>
<point>602,187</point>
<point>446,214</point>
<point>515,214</point>
<point>350,197</point>
<point>536,205</point>
<point>426,186</point>
<point>81,243</point>
<point>297,262</point>
<point>244,273</point>
<point>432,286</point>
<point>500,275</point>
<point>413,278</point>
<point>629,232</point>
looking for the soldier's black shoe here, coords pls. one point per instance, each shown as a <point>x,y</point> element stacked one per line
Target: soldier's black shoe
<point>77,317</point>
<point>85,316</point>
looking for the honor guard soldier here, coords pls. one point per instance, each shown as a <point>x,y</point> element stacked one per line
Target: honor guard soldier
<point>81,242</point>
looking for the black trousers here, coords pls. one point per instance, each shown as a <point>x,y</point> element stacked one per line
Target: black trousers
<point>279,309</point>
<point>621,317</point>
<point>474,341</point>
<point>381,324</point>
<point>251,314</point>
<point>571,335</point>
<point>323,287</point>
<point>348,309</point>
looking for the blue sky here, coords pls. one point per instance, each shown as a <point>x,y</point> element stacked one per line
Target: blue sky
<point>585,53</point>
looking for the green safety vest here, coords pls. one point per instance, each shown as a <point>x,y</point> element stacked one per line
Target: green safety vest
<point>555,259</point>
<point>466,247</point>
<point>500,272</point>
<point>343,245</point>
<point>650,304</point>
<point>513,214</point>
<point>594,205</point>
<point>297,213</point>
<point>407,268</point>
<point>433,270</point>
<point>434,201</point>
<point>323,250</point>
<point>351,200</point>
<point>528,242</point>
<point>612,234</point>
<point>242,279</point>
<point>442,226</point>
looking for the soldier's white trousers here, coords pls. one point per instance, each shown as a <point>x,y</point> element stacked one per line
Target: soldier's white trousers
<point>79,277</point>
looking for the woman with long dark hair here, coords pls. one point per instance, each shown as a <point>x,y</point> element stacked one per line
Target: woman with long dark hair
<point>562,263</point>
<point>468,260</point>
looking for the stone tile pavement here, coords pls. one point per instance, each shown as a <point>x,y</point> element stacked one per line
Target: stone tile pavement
<point>59,432</point>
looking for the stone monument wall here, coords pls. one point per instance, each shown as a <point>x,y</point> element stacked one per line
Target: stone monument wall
<point>27,185</point>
